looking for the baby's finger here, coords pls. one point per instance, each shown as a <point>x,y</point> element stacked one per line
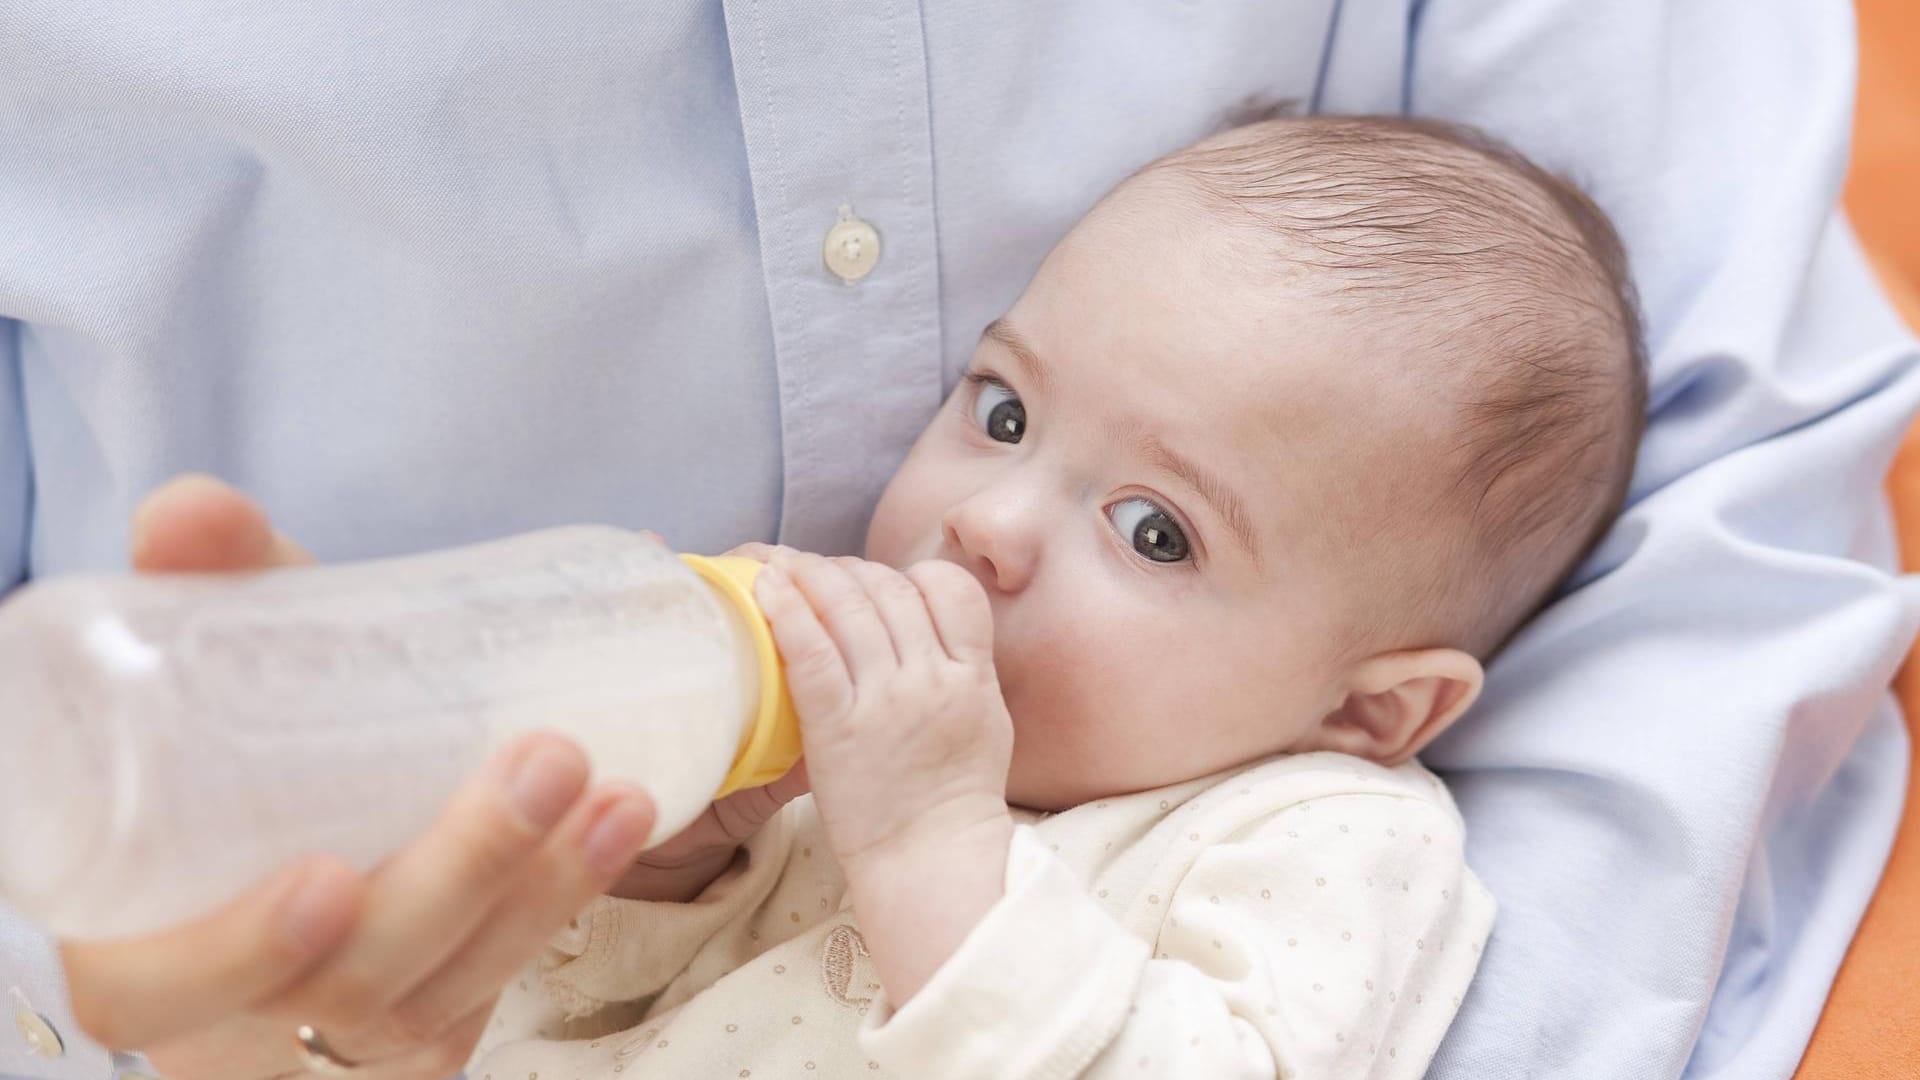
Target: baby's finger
<point>959,608</point>
<point>757,551</point>
<point>742,813</point>
<point>848,614</point>
<point>903,611</point>
<point>817,676</point>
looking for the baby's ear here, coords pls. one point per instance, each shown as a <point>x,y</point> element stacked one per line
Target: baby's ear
<point>1397,703</point>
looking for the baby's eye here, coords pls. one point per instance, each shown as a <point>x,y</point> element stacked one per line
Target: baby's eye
<point>999,412</point>
<point>1152,530</point>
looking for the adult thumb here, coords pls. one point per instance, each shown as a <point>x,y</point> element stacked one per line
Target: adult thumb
<point>195,523</point>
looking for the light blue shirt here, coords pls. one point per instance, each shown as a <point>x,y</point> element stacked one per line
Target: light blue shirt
<point>416,273</point>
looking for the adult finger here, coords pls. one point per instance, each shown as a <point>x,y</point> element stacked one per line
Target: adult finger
<point>902,608</point>
<point>445,1057</point>
<point>135,993</point>
<point>959,608</point>
<point>427,899</point>
<point>418,1031</point>
<point>584,856</point>
<point>195,523</point>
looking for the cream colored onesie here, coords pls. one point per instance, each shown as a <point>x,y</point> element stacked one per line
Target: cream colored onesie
<point>1306,916</point>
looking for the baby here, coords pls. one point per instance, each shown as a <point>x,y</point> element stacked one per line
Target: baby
<point>1117,778</point>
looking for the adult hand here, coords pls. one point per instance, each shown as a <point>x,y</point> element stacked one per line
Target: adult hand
<point>398,968</point>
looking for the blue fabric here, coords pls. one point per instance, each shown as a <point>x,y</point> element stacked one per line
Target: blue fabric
<point>16,468</point>
<point>417,273</point>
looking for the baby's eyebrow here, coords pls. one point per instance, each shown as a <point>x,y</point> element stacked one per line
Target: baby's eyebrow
<point>1003,333</point>
<point>1227,505</point>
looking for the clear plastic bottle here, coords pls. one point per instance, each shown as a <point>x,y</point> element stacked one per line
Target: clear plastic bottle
<point>175,738</point>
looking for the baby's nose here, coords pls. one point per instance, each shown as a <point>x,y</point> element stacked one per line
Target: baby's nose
<point>992,539</point>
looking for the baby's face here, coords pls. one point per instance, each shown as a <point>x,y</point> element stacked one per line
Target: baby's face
<point>1146,467</point>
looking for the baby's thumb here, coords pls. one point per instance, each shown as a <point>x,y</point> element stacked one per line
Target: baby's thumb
<point>789,787</point>
<point>742,813</point>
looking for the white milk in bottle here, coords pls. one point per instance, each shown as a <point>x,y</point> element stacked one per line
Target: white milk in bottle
<point>178,737</point>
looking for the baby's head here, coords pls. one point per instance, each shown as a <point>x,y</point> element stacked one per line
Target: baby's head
<point>1282,441</point>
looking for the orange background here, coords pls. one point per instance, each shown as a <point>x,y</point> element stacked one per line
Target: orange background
<point>1871,1027</point>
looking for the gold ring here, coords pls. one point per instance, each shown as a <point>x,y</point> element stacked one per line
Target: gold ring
<point>316,1056</point>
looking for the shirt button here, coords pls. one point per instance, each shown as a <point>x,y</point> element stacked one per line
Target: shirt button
<point>852,247</point>
<point>38,1035</point>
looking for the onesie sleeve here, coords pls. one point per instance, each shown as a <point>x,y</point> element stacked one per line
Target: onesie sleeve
<point>1334,937</point>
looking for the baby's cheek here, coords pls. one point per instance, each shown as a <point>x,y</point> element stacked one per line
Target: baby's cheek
<point>887,538</point>
<point>1080,731</point>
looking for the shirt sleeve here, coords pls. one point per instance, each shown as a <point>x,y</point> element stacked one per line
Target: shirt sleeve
<point>16,488</point>
<point>1335,938</point>
<point>1684,777</point>
<point>39,1038</point>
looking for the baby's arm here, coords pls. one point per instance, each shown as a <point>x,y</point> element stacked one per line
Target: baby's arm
<point>907,743</point>
<point>1333,938</point>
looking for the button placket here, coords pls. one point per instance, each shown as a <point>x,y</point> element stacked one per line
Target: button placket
<point>871,351</point>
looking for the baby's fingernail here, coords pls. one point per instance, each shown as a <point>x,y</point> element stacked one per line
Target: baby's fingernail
<point>615,839</point>
<point>544,785</point>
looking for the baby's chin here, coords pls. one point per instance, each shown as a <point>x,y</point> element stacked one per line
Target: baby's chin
<point>1042,787</point>
<point>1049,774</point>
<point>1045,794</point>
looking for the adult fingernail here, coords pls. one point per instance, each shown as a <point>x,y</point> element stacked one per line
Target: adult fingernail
<point>616,838</point>
<point>544,785</point>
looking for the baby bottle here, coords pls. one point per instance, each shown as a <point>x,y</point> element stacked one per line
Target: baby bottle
<point>174,738</point>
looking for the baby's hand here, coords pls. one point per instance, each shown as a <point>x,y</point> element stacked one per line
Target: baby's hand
<point>907,738</point>
<point>758,551</point>
<point>684,866</point>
